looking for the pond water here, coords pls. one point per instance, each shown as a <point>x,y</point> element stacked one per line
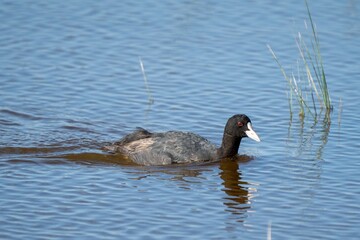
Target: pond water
<point>71,82</point>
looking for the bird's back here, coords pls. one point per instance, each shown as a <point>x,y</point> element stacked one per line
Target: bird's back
<point>147,148</point>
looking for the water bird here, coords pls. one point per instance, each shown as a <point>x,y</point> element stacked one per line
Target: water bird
<point>175,147</point>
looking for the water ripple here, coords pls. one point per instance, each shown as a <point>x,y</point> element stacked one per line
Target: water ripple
<point>71,82</point>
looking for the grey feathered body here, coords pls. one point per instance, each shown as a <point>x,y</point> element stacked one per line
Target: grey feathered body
<point>171,147</point>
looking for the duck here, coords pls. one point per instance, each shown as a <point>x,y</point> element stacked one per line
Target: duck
<point>175,147</point>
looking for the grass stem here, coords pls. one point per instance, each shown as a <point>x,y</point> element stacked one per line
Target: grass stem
<point>313,66</point>
<point>150,97</point>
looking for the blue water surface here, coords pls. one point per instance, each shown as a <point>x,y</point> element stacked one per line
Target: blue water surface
<point>71,81</point>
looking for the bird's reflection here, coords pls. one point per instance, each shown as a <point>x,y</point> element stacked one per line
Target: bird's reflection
<point>238,191</point>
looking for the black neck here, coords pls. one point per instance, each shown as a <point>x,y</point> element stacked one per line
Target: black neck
<point>230,146</point>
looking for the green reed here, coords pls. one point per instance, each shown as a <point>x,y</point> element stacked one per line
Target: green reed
<point>310,67</point>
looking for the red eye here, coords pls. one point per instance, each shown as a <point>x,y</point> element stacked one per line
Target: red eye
<point>240,124</point>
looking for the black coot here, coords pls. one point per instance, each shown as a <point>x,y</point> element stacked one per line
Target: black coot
<point>172,147</point>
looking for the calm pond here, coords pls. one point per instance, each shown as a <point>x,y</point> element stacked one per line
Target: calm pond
<point>70,82</point>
